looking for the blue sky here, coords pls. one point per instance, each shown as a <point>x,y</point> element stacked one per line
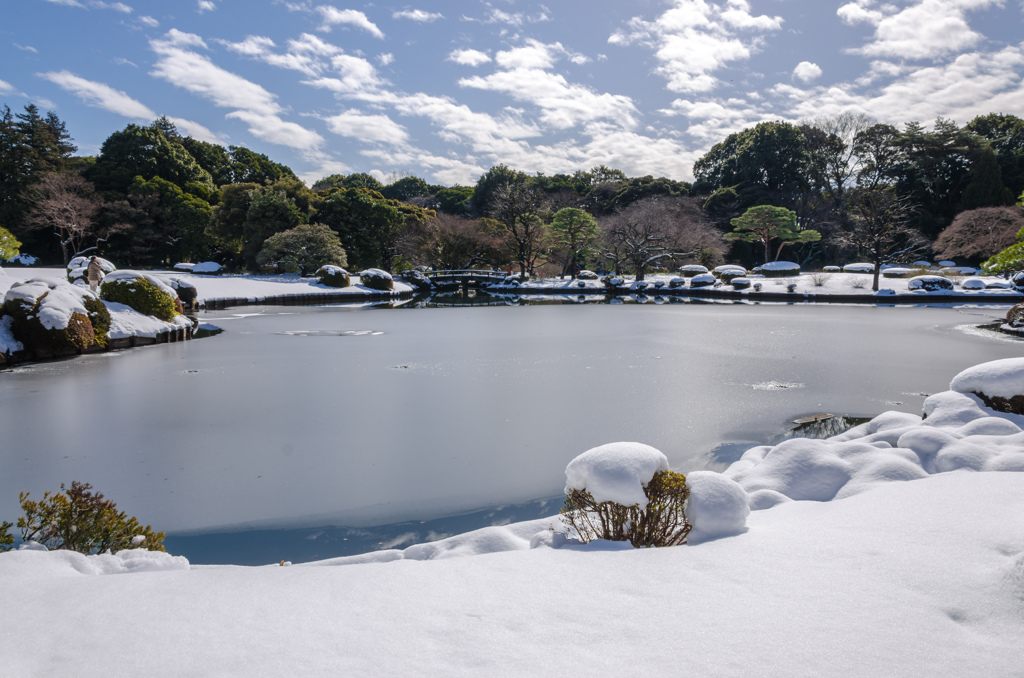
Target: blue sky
<point>444,90</point>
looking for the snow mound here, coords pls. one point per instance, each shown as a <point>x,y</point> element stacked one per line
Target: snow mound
<point>998,379</point>
<point>59,300</point>
<point>780,266</point>
<point>127,276</point>
<point>973,284</point>
<point>207,267</point>
<point>729,269</point>
<point>126,322</point>
<point>718,506</point>
<point>929,283</point>
<point>83,262</point>
<point>615,472</point>
<point>859,268</point>
<point>693,268</point>
<point>31,563</point>
<point>958,433</point>
<point>331,269</point>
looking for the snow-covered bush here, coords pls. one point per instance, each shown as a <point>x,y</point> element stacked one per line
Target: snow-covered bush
<point>728,271</point>
<point>690,270</point>
<point>780,269</point>
<point>740,283</point>
<point>83,262</point>
<point>947,263</point>
<point>23,260</point>
<point>187,292</point>
<point>999,384</point>
<point>921,263</point>
<point>929,283</point>
<point>208,268</point>
<point>859,268</point>
<point>51,317</point>
<point>973,284</point>
<point>703,280</point>
<point>333,276</point>
<point>899,272</point>
<point>76,519</point>
<point>376,279</point>
<point>676,283</point>
<point>586,275</point>
<point>718,506</point>
<point>142,292</point>
<point>832,269</point>
<point>416,278</point>
<point>625,492</point>
<point>613,281</point>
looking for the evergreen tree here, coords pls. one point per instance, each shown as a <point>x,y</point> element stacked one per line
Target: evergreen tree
<point>986,187</point>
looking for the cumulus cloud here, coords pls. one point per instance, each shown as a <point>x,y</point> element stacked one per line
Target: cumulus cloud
<point>341,17</point>
<point>149,21</point>
<point>806,71</point>
<point>695,38</point>
<point>179,64</point>
<point>385,59</point>
<point>469,57</point>
<point>205,6</point>
<point>924,30</point>
<point>196,131</point>
<point>417,15</point>
<point>100,95</point>
<point>374,128</point>
<point>6,87</point>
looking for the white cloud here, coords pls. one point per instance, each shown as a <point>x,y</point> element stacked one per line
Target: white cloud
<point>180,65</point>
<point>67,3</point>
<point>469,57</point>
<point>205,6</point>
<point>580,59</point>
<point>196,131</point>
<point>121,61</point>
<point>417,15</point>
<point>149,21</point>
<point>6,87</point>
<point>26,48</point>
<point>385,59</point>
<point>374,128</point>
<point>100,95</point>
<point>358,77</point>
<point>695,38</point>
<point>534,55</point>
<point>924,30</point>
<point>333,17</point>
<point>116,6</point>
<point>806,71</point>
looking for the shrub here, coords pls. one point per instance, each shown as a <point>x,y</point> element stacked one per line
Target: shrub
<point>676,283</point>
<point>728,272</point>
<point>75,519</point>
<point>302,249</point>
<point>376,279</point>
<point>819,279</point>
<point>612,281</point>
<point>930,283</point>
<point>690,270</point>
<point>1015,316</point>
<point>859,283</point>
<point>417,279</point>
<point>740,283</point>
<point>832,269</point>
<point>899,272</point>
<point>99,318</point>
<point>780,269</point>
<point>49,317</point>
<point>662,523</point>
<point>586,275</point>
<point>702,280</point>
<point>142,295</point>
<point>333,276</point>
<point>6,538</point>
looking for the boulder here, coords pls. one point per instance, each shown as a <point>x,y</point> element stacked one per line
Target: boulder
<point>333,276</point>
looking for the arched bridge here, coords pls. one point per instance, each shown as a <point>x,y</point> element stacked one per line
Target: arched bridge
<point>466,277</point>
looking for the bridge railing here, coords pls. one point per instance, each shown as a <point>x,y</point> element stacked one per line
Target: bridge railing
<point>466,273</point>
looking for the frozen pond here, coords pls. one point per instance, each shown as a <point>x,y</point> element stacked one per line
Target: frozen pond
<point>308,416</point>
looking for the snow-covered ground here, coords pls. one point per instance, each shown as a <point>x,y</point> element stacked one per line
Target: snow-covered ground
<point>894,549</point>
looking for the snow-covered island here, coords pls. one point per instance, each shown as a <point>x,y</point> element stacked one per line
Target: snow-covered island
<point>895,549</point>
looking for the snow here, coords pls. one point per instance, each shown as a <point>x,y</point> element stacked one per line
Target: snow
<point>615,472</point>
<point>694,268</point>
<point>126,322</point>
<point>717,506</point>
<point>999,379</point>
<point>24,260</point>
<point>127,276</point>
<point>8,344</point>
<point>207,267</point>
<point>780,266</point>
<point>973,284</point>
<point>36,562</point>
<point>83,262</point>
<point>703,278</point>
<point>947,264</point>
<point>59,299</point>
<point>859,268</point>
<point>729,269</point>
<point>184,266</point>
<point>330,269</point>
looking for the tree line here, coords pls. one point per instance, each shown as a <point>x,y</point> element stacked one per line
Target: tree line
<point>828,190</point>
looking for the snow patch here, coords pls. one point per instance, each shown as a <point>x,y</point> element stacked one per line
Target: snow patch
<point>615,472</point>
<point>718,506</point>
<point>999,378</point>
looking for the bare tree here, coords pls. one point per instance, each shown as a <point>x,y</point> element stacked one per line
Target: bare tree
<point>515,206</point>
<point>657,229</point>
<point>978,234</point>
<point>67,204</point>
<point>450,242</point>
<point>834,160</point>
<point>881,228</point>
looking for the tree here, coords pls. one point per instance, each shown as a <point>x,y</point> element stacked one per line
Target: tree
<point>227,223</point>
<point>358,180</point>
<point>270,211</point>
<point>302,249</point>
<point>449,243</point>
<point>832,160</point>
<point>76,519</point>
<point>490,181</point>
<point>8,245</point>
<point>405,188</point>
<point>575,233</point>
<point>146,152</point>
<point>368,225</point>
<point>978,234</point>
<point>1005,134</point>
<point>882,230</point>
<point>656,230</point>
<point>515,206</point>
<point>168,225</point>
<point>453,200</point>
<point>235,164</point>
<point>65,204</point>
<point>986,187</point>
<point>765,224</point>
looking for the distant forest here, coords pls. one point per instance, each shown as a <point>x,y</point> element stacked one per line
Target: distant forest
<point>873,191</point>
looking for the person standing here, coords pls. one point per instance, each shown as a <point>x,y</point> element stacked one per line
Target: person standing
<point>94,273</point>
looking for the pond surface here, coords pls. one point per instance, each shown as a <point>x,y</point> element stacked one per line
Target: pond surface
<point>296,417</point>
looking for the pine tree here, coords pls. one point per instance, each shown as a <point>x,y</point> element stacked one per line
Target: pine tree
<point>986,187</point>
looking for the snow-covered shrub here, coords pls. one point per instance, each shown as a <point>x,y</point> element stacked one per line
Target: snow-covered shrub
<point>929,283</point>
<point>1018,280</point>
<point>899,272</point>
<point>921,263</point>
<point>142,292</point>
<point>859,268</point>
<point>625,492</point>
<point>586,275</point>
<point>703,280</point>
<point>690,270</point>
<point>727,272</point>
<point>208,268</point>
<point>973,284</point>
<point>718,506</point>
<point>187,292</point>
<point>780,269</point>
<point>416,278</point>
<point>676,283</point>
<point>947,264</point>
<point>333,276</point>
<point>740,283</point>
<point>612,281</point>
<point>511,281</point>
<point>376,279</point>
<point>1015,316</point>
<point>999,384</point>
<point>832,269</point>
<point>184,267</point>
<point>50,316</point>
<point>76,519</point>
